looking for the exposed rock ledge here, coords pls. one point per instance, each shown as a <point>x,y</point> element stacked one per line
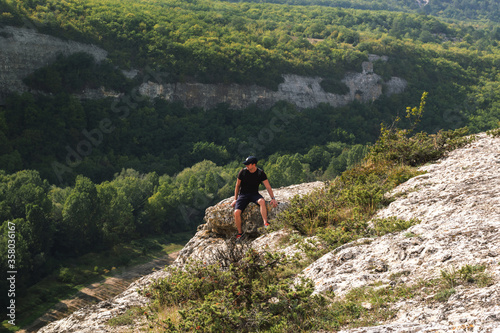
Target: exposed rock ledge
<point>302,91</point>
<point>25,50</point>
<point>219,223</point>
<point>458,202</point>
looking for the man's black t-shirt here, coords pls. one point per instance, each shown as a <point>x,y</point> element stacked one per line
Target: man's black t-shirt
<point>250,181</point>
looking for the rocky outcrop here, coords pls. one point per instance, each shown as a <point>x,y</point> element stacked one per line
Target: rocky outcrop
<point>219,223</point>
<point>211,236</point>
<point>22,51</point>
<point>302,91</point>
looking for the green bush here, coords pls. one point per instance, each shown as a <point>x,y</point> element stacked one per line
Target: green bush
<point>494,132</point>
<point>400,146</point>
<point>125,319</point>
<point>420,148</point>
<point>66,275</point>
<point>443,295</point>
<point>346,231</point>
<point>468,274</point>
<point>391,224</point>
<point>251,294</point>
<point>340,214</point>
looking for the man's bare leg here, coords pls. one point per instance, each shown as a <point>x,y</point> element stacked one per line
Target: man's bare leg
<point>237,220</point>
<point>263,210</point>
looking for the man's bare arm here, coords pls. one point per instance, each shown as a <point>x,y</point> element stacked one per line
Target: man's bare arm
<point>236,191</point>
<point>274,202</point>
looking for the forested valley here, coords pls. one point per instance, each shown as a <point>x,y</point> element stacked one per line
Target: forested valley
<point>151,167</point>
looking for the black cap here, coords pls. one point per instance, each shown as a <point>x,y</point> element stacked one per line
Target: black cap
<point>250,160</point>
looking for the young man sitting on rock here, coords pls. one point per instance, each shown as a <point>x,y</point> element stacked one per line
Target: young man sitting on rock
<point>247,190</point>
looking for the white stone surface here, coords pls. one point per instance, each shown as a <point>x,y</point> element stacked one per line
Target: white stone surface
<point>458,203</point>
<point>22,51</point>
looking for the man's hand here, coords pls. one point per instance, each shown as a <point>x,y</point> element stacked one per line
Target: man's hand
<point>233,203</point>
<point>274,202</point>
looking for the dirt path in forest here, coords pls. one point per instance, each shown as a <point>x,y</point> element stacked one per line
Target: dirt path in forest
<point>99,291</point>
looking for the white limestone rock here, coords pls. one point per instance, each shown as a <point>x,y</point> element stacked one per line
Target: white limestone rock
<point>302,91</point>
<point>458,203</point>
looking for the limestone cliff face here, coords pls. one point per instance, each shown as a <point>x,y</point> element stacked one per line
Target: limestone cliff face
<point>458,203</point>
<point>22,51</point>
<point>302,91</point>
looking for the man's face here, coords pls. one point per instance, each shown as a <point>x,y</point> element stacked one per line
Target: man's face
<point>252,167</point>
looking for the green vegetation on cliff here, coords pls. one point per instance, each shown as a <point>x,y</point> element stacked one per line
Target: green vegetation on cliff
<point>457,10</point>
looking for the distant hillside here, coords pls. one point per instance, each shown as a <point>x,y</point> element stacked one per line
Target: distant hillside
<point>103,139</point>
<point>465,10</point>
<point>476,10</point>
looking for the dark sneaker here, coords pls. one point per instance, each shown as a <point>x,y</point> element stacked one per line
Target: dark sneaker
<point>239,236</point>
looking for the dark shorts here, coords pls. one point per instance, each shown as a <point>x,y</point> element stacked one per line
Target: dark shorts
<point>244,199</point>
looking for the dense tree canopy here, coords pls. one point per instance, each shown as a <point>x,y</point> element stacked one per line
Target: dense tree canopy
<point>461,10</point>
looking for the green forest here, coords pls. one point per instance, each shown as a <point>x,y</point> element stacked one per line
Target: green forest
<point>80,175</point>
<point>456,10</point>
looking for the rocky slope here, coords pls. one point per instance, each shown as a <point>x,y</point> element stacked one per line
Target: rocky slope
<point>457,201</point>
<point>219,224</point>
